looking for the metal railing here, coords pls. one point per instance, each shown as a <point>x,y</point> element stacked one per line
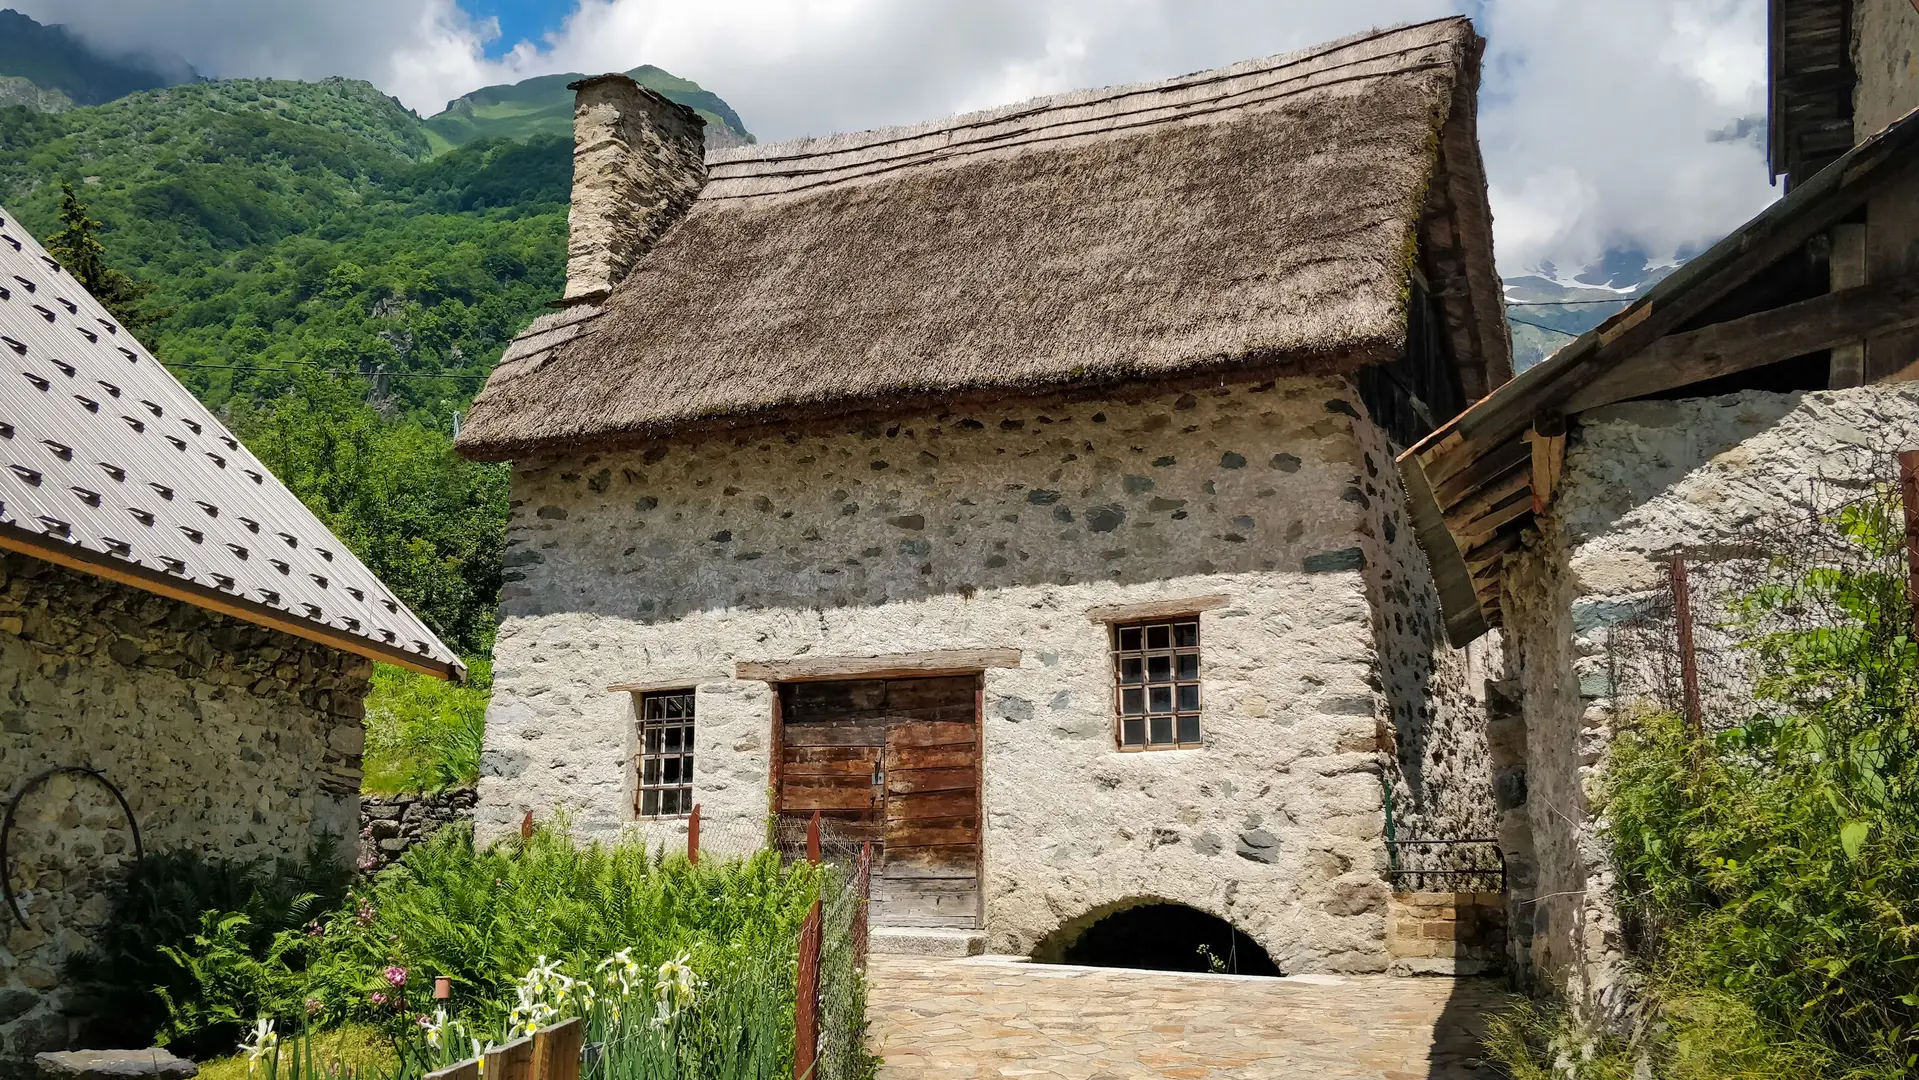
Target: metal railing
<point>1469,865</point>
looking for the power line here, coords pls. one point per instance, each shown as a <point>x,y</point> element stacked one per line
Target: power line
<point>1543,326</point>
<point>1569,303</point>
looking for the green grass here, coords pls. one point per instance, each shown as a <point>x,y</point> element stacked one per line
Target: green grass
<point>361,1048</point>
<point>423,734</point>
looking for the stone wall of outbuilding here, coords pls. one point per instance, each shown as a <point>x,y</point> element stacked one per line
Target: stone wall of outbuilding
<point>1642,482</point>
<point>998,528</point>
<point>224,737</point>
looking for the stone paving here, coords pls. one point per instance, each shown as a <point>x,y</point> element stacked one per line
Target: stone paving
<point>935,1019</point>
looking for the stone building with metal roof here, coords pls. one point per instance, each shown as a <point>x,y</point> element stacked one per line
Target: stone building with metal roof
<point>184,647</point>
<point>1014,490</point>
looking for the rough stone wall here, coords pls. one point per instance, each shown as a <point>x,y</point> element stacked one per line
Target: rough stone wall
<point>1434,694</point>
<point>1885,53</point>
<point>391,824</point>
<point>225,737</point>
<point>1642,481</point>
<point>668,565</point>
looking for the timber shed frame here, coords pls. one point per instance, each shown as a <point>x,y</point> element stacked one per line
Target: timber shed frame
<point>1740,315</point>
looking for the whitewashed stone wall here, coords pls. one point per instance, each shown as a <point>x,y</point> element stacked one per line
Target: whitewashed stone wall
<point>225,737</point>
<point>1642,481</point>
<point>670,564</point>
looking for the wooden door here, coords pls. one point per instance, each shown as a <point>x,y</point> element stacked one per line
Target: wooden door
<point>896,762</point>
<point>929,874</point>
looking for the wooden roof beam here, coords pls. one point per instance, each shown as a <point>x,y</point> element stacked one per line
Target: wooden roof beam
<point>1767,337</point>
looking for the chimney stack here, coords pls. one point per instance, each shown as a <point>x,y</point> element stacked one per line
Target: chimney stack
<point>639,161</point>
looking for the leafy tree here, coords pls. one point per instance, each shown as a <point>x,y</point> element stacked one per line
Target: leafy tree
<point>77,246</point>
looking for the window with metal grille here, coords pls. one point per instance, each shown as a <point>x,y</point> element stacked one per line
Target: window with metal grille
<point>1156,684</point>
<point>666,754</point>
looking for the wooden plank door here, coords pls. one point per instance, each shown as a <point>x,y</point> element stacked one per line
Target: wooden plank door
<point>929,870</point>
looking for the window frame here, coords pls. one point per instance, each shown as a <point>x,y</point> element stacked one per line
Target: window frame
<point>1182,683</point>
<point>685,726</point>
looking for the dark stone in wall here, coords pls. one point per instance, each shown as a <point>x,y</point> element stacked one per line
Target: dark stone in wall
<point>1325,562</point>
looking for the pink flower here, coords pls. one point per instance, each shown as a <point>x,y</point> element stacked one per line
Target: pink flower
<point>424,1021</point>
<point>364,913</point>
<point>377,998</point>
<point>314,929</point>
<point>313,1006</point>
<point>395,976</point>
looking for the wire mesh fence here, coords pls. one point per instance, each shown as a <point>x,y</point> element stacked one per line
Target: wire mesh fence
<point>1835,572</point>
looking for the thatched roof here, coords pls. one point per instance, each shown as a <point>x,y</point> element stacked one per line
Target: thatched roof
<point>1261,216</point>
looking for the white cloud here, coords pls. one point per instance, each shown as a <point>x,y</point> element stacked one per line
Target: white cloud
<point>1595,117</point>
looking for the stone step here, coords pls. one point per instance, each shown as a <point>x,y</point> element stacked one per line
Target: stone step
<point>925,941</point>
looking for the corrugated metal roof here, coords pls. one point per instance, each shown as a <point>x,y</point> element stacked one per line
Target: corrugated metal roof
<point>108,464</point>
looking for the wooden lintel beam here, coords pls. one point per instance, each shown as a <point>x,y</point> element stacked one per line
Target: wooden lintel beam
<point>1756,340</point>
<point>889,666</point>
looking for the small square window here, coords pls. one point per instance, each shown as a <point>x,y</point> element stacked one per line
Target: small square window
<point>1156,684</point>
<point>665,768</point>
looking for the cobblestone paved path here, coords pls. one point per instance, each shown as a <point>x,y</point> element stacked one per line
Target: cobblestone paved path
<point>937,1019</point>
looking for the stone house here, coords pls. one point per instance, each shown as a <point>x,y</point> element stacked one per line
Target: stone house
<point>1552,509</point>
<point>1014,490</point>
<point>184,647</point>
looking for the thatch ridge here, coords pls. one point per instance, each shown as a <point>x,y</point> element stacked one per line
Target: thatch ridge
<point>1250,216</point>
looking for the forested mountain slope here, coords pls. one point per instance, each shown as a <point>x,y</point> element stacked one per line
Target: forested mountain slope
<point>544,106</point>
<point>338,293</point>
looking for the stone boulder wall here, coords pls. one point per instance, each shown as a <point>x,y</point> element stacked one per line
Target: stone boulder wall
<point>225,737</point>
<point>390,824</point>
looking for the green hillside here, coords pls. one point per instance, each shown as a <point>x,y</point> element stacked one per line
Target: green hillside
<point>544,106</point>
<point>53,59</point>
<point>331,288</point>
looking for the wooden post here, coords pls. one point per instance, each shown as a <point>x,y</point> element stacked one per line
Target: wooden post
<point>1909,494</point>
<point>1688,660</point>
<point>863,882</point>
<point>813,839</point>
<point>806,999</point>
<point>556,1050</point>
<point>514,1061</point>
<point>693,836</point>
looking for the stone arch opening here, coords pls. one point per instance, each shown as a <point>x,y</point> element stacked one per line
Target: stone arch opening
<point>1156,935</point>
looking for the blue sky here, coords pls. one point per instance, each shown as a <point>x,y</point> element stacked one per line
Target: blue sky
<point>520,20</point>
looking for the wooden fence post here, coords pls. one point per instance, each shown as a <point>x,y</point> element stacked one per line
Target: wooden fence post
<point>1909,494</point>
<point>806,997</point>
<point>863,883</point>
<point>813,839</point>
<point>514,1061</point>
<point>1688,659</point>
<point>693,836</point>
<point>556,1050</point>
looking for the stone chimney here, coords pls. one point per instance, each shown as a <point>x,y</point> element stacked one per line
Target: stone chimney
<point>639,161</point>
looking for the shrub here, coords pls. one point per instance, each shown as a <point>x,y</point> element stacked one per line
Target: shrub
<point>129,981</point>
